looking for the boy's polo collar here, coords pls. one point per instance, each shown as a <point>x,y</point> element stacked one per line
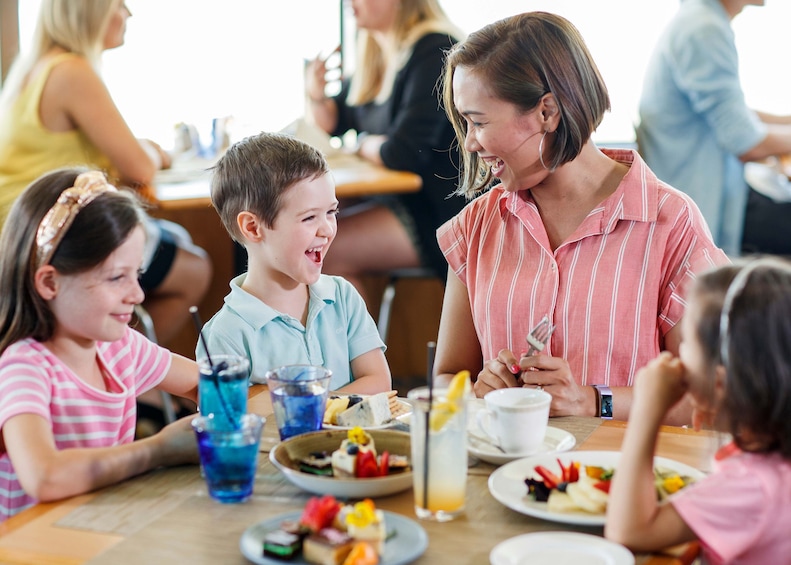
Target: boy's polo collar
<point>258,313</point>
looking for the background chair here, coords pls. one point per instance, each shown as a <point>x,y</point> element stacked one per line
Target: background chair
<point>147,325</point>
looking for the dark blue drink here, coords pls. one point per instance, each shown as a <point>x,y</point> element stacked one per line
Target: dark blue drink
<point>299,397</point>
<point>229,457</point>
<point>299,414</point>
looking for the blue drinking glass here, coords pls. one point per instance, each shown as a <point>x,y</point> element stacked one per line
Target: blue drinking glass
<point>229,458</point>
<point>299,397</point>
<point>222,389</point>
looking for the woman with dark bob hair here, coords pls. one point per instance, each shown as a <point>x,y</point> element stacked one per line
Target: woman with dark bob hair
<point>558,227</point>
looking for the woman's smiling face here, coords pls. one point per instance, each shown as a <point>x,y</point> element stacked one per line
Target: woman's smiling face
<point>504,137</point>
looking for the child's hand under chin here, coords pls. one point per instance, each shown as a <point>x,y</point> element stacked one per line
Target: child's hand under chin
<point>660,385</point>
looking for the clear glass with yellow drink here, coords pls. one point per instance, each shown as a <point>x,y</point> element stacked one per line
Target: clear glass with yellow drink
<point>439,449</point>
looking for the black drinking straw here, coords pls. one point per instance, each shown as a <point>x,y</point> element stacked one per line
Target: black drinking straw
<point>432,348</point>
<point>214,376</point>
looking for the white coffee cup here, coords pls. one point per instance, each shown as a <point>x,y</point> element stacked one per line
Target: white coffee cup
<point>515,418</point>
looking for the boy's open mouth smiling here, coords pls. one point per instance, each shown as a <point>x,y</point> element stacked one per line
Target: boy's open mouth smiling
<point>314,254</point>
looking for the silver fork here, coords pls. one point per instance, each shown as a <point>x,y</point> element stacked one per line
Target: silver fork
<point>538,336</point>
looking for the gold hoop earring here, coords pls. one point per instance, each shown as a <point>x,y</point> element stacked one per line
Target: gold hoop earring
<point>541,152</point>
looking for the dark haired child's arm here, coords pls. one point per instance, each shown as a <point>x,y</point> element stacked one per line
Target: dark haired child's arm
<point>182,378</point>
<point>47,473</point>
<point>634,516</point>
<point>371,373</point>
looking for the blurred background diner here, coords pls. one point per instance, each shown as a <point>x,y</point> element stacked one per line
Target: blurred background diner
<point>696,130</point>
<point>244,64</point>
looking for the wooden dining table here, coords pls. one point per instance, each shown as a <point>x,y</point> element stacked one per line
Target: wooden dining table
<point>186,186</point>
<point>166,515</point>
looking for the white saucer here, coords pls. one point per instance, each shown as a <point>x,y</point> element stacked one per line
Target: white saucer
<point>559,548</point>
<point>555,441</point>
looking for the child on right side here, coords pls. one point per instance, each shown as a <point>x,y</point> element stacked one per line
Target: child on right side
<point>276,197</point>
<point>734,363</point>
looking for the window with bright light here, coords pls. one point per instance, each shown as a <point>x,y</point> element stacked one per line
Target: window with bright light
<point>194,60</point>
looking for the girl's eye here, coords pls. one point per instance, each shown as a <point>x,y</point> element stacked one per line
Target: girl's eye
<point>334,212</point>
<point>308,218</point>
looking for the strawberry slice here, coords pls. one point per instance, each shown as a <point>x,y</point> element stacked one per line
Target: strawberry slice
<point>603,486</point>
<point>319,512</point>
<point>551,480</point>
<point>366,465</point>
<point>384,464</point>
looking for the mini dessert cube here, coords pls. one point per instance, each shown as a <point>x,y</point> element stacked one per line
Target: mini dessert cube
<point>327,547</point>
<point>282,545</point>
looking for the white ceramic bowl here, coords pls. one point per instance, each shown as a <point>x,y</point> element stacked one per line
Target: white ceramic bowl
<point>286,454</point>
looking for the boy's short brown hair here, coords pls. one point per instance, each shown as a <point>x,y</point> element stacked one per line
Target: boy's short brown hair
<point>254,174</point>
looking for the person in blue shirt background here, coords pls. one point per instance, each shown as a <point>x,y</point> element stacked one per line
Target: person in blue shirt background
<point>696,130</point>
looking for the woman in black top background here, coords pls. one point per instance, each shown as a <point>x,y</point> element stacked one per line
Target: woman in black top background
<point>392,102</point>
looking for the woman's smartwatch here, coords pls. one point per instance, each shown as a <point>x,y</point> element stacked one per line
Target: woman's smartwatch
<point>603,402</point>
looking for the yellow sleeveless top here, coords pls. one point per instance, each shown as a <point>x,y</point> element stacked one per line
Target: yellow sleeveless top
<point>28,149</point>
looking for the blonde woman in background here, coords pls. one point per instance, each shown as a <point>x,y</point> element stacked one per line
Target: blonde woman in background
<point>392,102</point>
<point>56,111</point>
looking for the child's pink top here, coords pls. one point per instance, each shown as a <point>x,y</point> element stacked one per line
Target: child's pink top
<point>742,511</point>
<point>34,381</point>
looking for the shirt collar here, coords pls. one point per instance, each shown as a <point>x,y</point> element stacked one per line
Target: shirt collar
<point>635,199</point>
<point>258,313</point>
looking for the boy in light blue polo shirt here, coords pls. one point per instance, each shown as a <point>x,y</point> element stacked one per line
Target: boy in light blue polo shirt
<point>276,197</point>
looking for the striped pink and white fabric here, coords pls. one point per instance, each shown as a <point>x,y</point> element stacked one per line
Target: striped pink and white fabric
<point>34,381</point>
<point>613,289</point>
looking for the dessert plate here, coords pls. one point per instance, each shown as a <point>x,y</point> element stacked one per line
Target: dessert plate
<point>405,409</point>
<point>559,548</point>
<point>286,455</point>
<point>478,445</point>
<point>507,484</point>
<point>406,540</point>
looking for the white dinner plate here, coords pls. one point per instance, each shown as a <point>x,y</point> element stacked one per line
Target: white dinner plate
<point>559,548</point>
<point>406,408</point>
<point>286,454</point>
<point>406,540</point>
<point>478,445</point>
<point>507,484</point>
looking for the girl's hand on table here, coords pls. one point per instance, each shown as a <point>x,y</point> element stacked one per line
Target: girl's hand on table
<point>176,443</point>
<point>502,372</point>
<point>553,374</point>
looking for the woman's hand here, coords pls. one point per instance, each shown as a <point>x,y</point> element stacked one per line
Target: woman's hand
<point>316,72</point>
<point>553,374</point>
<point>497,373</point>
<point>161,158</point>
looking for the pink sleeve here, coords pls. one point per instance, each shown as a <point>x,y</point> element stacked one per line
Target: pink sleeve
<point>24,385</point>
<point>727,510</point>
<point>453,244</point>
<point>142,363</point>
<point>693,253</point>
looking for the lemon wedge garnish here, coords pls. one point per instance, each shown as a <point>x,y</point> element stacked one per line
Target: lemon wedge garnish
<point>443,411</point>
<point>460,386</point>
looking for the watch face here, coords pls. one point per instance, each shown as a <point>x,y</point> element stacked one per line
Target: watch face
<point>606,405</point>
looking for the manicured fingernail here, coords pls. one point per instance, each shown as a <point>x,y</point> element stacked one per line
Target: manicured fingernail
<point>516,369</point>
